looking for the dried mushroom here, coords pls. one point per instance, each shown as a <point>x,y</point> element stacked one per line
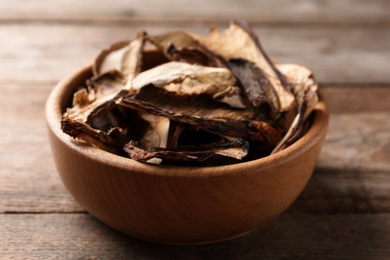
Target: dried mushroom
<point>217,99</point>
<point>239,43</point>
<point>122,57</point>
<point>184,78</point>
<point>201,112</point>
<point>181,46</point>
<point>227,151</point>
<point>305,90</point>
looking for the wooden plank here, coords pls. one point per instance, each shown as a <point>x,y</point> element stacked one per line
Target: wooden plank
<point>28,180</point>
<point>263,11</point>
<point>353,170</point>
<point>358,142</point>
<point>299,236</point>
<point>335,190</point>
<point>41,53</point>
<point>355,98</point>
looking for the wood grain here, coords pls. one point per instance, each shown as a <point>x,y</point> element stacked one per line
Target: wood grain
<point>48,52</point>
<point>355,98</point>
<point>298,236</point>
<point>262,11</point>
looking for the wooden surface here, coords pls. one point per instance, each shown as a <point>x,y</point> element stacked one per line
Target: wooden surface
<point>344,212</point>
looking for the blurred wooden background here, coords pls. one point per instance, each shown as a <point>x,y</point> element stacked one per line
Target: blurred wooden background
<point>343,213</point>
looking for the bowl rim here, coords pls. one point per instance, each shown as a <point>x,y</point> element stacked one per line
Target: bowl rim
<point>53,115</point>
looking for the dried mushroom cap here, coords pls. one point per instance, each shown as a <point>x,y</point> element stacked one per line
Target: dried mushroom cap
<point>239,42</point>
<point>184,78</point>
<point>181,46</point>
<point>121,57</point>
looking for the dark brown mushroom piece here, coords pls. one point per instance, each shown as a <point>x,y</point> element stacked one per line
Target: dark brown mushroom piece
<point>241,49</point>
<point>221,153</point>
<point>202,112</point>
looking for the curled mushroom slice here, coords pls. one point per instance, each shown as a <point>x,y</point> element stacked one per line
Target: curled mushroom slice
<point>184,78</point>
<point>99,91</point>
<point>121,57</point>
<point>202,112</point>
<point>181,46</point>
<point>215,153</point>
<point>305,90</point>
<point>239,42</point>
<point>258,87</point>
<point>109,141</point>
<point>302,82</point>
<point>92,105</point>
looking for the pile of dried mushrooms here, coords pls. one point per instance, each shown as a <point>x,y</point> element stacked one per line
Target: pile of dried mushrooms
<point>199,101</point>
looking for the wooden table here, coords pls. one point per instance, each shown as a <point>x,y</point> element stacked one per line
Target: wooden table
<point>344,212</point>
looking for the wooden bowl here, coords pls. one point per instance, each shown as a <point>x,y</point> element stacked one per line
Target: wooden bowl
<point>177,204</point>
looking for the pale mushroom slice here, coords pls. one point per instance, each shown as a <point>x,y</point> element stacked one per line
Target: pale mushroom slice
<point>239,42</point>
<point>156,134</point>
<point>305,90</point>
<point>181,46</point>
<point>121,57</point>
<point>184,78</point>
<point>202,112</point>
<point>218,153</point>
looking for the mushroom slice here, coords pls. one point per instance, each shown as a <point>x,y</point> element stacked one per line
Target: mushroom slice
<point>156,134</point>
<point>202,112</point>
<point>121,57</point>
<point>98,90</point>
<point>92,105</point>
<point>181,46</point>
<point>239,42</point>
<point>193,80</point>
<point>221,152</point>
<point>258,87</point>
<point>305,89</point>
<point>302,82</point>
<point>110,141</point>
